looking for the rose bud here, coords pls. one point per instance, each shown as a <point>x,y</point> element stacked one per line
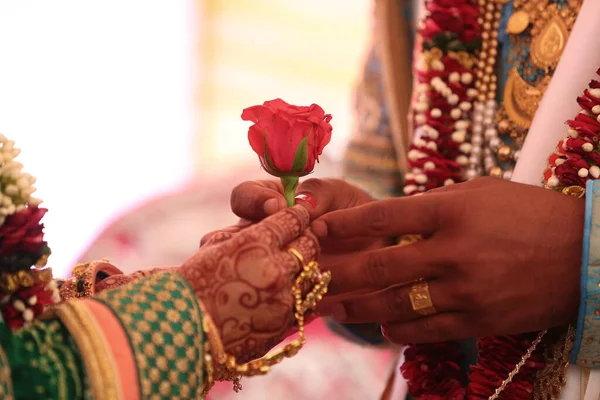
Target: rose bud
<point>288,139</point>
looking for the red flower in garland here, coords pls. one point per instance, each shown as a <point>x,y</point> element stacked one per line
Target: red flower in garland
<point>451,16</point>
<point>428,376</point>
<point>26,304</point>
<point>23,232</point>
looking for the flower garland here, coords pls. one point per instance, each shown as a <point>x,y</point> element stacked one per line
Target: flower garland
<point>456,85</point>
<point>26,287</point>
<point>444,94</point>
<point>576,158</point>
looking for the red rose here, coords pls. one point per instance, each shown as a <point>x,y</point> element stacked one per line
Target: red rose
<point>288,139</point>
<point>23,232</point>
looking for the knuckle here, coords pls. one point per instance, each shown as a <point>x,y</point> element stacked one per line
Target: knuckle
<point>299,217</point>
<point>377,218</point>
<point>376,270</point>
<point>315,185</point>
<point>397,302</point>
<point>206,238</point>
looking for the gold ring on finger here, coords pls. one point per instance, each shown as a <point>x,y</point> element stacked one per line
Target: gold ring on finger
<point>297,254</point>
<point>420,298</point>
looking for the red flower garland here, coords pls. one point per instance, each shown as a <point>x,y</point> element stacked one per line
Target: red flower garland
<point>444,94</point>
<point>26,291</point>
<point>576,159</point>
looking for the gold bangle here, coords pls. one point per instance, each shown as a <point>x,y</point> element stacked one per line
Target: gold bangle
<point>82,283</point>
<point>221,366</point>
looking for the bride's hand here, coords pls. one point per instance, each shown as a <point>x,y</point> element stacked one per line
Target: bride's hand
<point>245,280</point>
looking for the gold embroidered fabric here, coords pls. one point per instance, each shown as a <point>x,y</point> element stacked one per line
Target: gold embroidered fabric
<point>93,348</point>
<point>6,390</point>
<point>538,30</point>
<point>162,318</point>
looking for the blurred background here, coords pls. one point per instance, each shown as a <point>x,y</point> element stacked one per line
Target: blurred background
<point>128,113</point>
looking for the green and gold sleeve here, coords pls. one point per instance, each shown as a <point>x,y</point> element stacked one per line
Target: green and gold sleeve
<point>143,340</point>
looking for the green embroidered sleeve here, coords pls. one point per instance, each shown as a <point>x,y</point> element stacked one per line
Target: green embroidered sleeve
<point>142,340</point>
<point>163,320</point>
<point>40,362</point>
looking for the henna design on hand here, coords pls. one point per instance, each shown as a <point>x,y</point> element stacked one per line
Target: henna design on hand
<point>245,280</point>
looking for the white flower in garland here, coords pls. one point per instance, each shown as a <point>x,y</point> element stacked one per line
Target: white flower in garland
<point>16,187</point>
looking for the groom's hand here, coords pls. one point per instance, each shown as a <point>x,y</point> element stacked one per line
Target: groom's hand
<point>253,201</point>
<point>499,258</point>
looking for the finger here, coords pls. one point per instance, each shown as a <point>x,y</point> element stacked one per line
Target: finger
<point>342,246</point>
<point>391,304</point>
<point>321,196</point>
<point>206,239</point>
<point>379,269</point>
<point>431,329</point>
<point>255,200</point>
<point>384,218</point>
<point>306,249</point>
<point>232,229</point>
<point>472,184</point>
<point>218,237</point>
<point>280,229</point>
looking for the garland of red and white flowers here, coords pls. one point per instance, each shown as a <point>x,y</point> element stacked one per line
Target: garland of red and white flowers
<point>441,151</point>
<point>577,157</point>
<point>444,95</point>
<point>26,287</point>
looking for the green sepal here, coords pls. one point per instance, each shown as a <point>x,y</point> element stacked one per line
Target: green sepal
<point>301,156</point>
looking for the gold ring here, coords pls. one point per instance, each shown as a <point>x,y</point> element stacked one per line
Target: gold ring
<point>420,298</point>
<point>297,254</point>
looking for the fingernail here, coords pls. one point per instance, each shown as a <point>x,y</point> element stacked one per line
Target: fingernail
<point>339,313</point>
<point>384,330</point>
<point>319,228</point>
<point>271,206</point>
<point>307,198</point>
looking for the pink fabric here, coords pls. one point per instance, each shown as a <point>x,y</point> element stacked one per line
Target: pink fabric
<point>121,352</point>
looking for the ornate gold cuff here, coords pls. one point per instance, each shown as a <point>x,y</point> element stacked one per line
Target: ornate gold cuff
<point>82,283</point>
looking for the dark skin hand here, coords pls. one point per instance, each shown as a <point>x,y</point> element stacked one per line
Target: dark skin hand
<point>500,258</point>
<point>253,201</point>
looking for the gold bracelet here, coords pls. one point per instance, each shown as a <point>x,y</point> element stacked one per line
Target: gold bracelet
<point>82,282</point>
<point>221,366</point>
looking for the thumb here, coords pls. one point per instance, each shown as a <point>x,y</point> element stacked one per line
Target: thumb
<point>256,200</point>
<point>320,196</point>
